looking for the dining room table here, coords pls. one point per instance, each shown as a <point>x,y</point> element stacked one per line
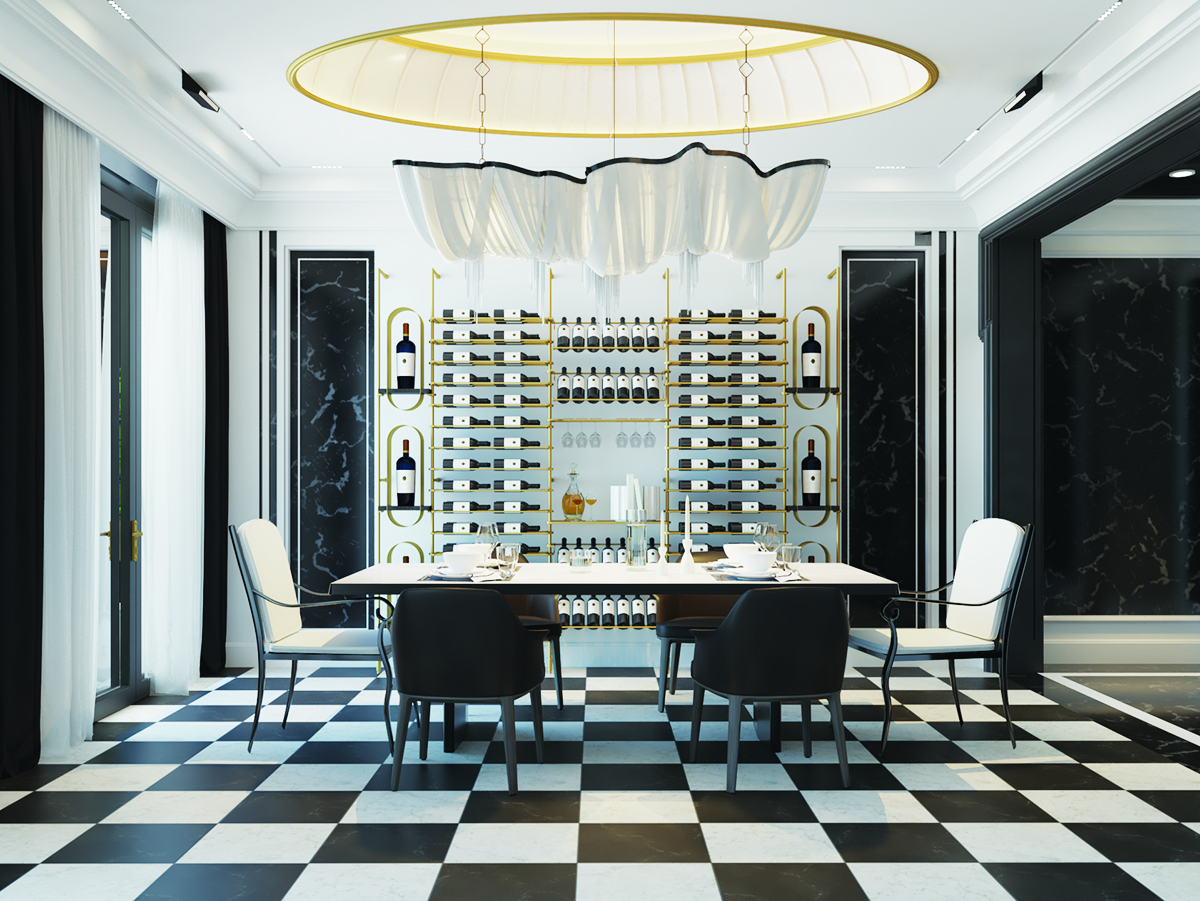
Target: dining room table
<point>601,579</point>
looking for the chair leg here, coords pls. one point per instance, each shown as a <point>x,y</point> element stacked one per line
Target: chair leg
<point>954,690</point>
<point>887,698</point>
<point>405,711</point>
<point>839,737</point>
<point>697,715</point>
<point>735,730</point>
<point>535,701</point>
<point>1004,700</point>
<point>262,681</point>
<point>663,665</point>
<point>387,691</point>
<point>291,689</point>
<point>423,727</point>
<point>806,726</point>
<point>557,669</point>
<point>675,664</point>
<point>508,711</point>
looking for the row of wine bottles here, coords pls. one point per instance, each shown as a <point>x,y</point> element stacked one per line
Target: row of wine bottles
<point>466,463</point>
<point>597,613</point>
<point>701,463</point>
<point>607,336</point>
<point>608,387</point>
<point>735,441</point>
<point>736,400</point>
<point>609,553</point>
<point>504,528</point>
<point>509,441</point>
<point>494,507</point>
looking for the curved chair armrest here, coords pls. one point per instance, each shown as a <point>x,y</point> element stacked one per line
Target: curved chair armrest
<point>890,611</point>
<point>347,600</point>
<point>930,591</point>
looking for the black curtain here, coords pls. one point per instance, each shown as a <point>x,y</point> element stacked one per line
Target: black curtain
<point>216,447</point>
<point>22,410</point>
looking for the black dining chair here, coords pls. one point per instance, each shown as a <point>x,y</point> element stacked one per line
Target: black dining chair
<point>678,615</point>
<point>464,645</point>
<point>783,645</point>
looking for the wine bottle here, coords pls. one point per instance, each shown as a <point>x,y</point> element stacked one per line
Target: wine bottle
<point>700,421</point>
<point>749,378</point>
<point>700,485</point>
<point>463,356</point>
<point>637,336</point>
<point>593,613</point>
<point>518,528</point>
<point>608,554</point>
<point>463,507</point>
<point>750,442</point>
<point>638,616</point>
<point>564,386</point>
<point>564,335</point>
<point>750,400</point>
<point>513,441</point>
<point>700,464</point>
<point>749,463</point>
<point>512,400</point>
<point>651,552</point>
<point>651,602</point>
<point>463,422</point>
<point>701,506</point>
<point>564,554</point>
<point>462,441</point>
<point>406,361</point>
<point>652,336</point>
<point>622,335</point>
<point>608,613</point>
<point>653,387</point>
<point>514,507</point>
<point>464,400</point>
<point>608,390</point>
<point>578,334</point>
<point>593,387</point>
<point>578,612</point>
<point>608,335</point>
<point>745,485</point>
<point>579,386</point>
<point>701,442</point>
<point>512,422</point>
<point>406,478</point>
<point>699,400</point>
<point>810,360</point>
<point>516,464</point>
<point>622,385</point>
<point>463,485</point>
<point>463,463</point>
<point>622,611</point>
<point>564,607</point>
<point>593,552</point>
<point>459,315</point>
<point>593,335</point>
<point>460,528</point>
<point>514,485</point>
<point>637,386</point>
<point>810,477</point>
<point>750,421</point>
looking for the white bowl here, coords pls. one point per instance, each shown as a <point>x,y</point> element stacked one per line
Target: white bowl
<point>460,562</point>
<point>756,563</point>
<point>736,551</point>
<point>479,550</point>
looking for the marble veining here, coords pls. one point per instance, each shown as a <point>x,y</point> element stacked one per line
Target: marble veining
<point>333,443</point>
<point>1121,362</point>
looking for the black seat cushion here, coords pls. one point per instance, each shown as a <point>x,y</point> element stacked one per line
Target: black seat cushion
<point>680,629</point>
<point>552,627</point>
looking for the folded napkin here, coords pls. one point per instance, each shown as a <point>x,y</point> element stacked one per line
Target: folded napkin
<point>473,577</point>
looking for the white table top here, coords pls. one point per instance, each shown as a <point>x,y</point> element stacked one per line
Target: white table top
<point>610,578</point>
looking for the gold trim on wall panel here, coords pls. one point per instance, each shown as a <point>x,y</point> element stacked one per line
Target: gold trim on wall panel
<point>825,550</point>
<point>387,479</point>
<point>830,479</point>
<point>389,353</point>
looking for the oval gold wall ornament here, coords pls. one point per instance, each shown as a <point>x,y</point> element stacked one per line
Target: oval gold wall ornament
<point>677,75</point>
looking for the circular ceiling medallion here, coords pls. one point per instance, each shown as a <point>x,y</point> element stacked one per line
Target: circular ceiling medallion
<point>554,75</point>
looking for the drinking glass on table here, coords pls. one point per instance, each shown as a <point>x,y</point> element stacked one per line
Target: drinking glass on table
<point>769,539</point>
<point>791,556</point>
<point>508,555</point>
<point>489,535</point>
<point>756,530</point>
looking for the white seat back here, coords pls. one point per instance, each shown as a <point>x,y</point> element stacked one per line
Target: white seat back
<point>270,572</point>
<point>987,564</point>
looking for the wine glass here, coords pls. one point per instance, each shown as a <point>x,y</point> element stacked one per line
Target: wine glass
<point>508,554</point>
<point>595,440</point>
<point>622,439</point>
<point>589,497</point>
<point>635,440</point>
<point>567,440</point>
<point>581,440</point>
<point>756,533</point>
<point>649,440</point>
<point>770,539</point>
<point>488,534</point>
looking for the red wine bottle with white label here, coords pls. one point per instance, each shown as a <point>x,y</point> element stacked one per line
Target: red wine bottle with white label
<point>810,477</point>
<point>406,362</point>
<point>810,356</point>
<point>406,479</point>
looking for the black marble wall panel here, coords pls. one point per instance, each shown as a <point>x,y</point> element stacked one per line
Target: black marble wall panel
<point>883,354</point>
<point>1121,366</point>
<point>332,441</point>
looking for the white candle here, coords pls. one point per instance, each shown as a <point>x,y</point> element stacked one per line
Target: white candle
<point>687,516</point>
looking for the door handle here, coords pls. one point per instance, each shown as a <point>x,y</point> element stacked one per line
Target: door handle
<point>108,535</point>
<point>134,535</point>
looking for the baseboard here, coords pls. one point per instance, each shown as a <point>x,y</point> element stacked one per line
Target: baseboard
<point>239,654</point>
<point>1122,639</point>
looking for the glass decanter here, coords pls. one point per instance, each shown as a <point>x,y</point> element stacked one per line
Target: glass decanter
<point>572,499</point>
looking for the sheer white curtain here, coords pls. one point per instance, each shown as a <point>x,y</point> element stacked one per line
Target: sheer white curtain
<point>173,447</point>
<point>71,317</point>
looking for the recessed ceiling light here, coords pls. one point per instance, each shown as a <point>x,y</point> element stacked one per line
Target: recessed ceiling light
<point>971,135</point>
<point>1183,173</point>
<point>1108,12</point>
<point>891,167</point>
<point>113,4</point>
<point>249,136</point>
<point>327,167</point>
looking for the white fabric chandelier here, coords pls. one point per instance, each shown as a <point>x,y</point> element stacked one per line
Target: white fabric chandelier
<point>624,216</point>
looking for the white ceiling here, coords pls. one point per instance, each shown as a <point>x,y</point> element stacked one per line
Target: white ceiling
<point>239,51</point>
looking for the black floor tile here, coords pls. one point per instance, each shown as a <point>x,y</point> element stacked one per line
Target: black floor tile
<point>819,731</point>
<point>641,843</point>
<point>982,807</point>
<point>1068,882</point>
<point>210,713</point>
<point>227,881</point>
<point>317,697</point>
<point>527,807</point>
<point>168,700</point>
<point>711,713</point>
<point>215,777</point>
<point>752,807</point>
<point>343,751</point>
<point>825,776</point>
<point>624,697</point>
<point>552,752</point>
<point>364,713</point>
<point>873,713</point>
<point>715,752</point>
<point>571,713</point>
<point>1142,842</point>
<point>1182,805</point>
<point>1108,752</point>
<point>504,882</point>
<point>981,731</point>
<point>1036,712</point>
<point>1045,776</point>
<point>292,807</point>
<point>896,843</point>
<point>151,752</point>
<point>35,777</point>
<point>439,777</point>
<point>787,882</point>
<point>858,683</point>
<point>112,732</point>
<point>131,843</point>
<point>276,732</point>
<point>271,683</point>
<point>651,731</point>
<point>11,872</point>
<point>64,807</point>
<point>387,843</point>
<point>343,672</point>
<point>930,697</point>
<point>634,777</point>
<point>919,752</point>
<point>897,671</point>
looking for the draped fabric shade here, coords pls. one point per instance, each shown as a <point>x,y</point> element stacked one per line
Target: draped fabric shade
<point>626,215</point>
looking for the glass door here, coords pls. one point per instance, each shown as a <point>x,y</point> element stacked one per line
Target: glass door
<point>124,237</point>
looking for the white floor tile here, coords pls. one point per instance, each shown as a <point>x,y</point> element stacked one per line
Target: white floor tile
<point>1004,752</point>
<point>630,752</point>
<point>945,713</point>
<point>467,752</point>
<point>622,713</point>
<point>854,806</point>
<point>947,777</point>
<point>824,752</point>
<point>637,807</point>
<point>177,807</point>
<point>333,777</point>
<point>543,777</point>
<point>235,752</point>
<point>794,713</point>
<point>750,777</point>
<point>237,698</point>
<point>872,730</point>
<point>340,683</point>
<point>872,697</point>
<point>646,882</point>
<point>351,730</point>
<point>302,713</point>
<point>95,882</point>
<point>712,731</point>
<point>7,798</point>
<point>1149,776</point>
<point>622,683</point>
<point>356,881</point>
<point>407,807</point>
<point>197,731</point>
<point>117,777</point>
<point>514,843</point>
<point>913,683</point>
<point>769,843</point>
<point>1015,696</point>
<point>551,731</point>
<point>1024,843</point>
<point>259,843</point>
<point>1170,881</point>
<point>1071,806</point>
<point>142,713</point>
<point>927,882</point>
<point>83,752</point>
<point>34,842</point>
<point>1069,730</point>
<point>374,698</point>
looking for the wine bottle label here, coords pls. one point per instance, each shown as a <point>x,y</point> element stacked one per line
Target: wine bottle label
<point>511,314</point>
<point>700,547</point>
<point>512,420</point>
<point>749,400</point>
<point>698,400</point>
<point>512,528</point>
<point>750,485</point>
<point>460,485</point>
<point>696,378</point>
<point>608,556</point>
<point>460,507</point>
<point>622,555</point>
<point>749,356</point>
<point>512,464</point>
<point>461,442</point>
<point>748,313</point>
<point>811,365</point>
<point>748,421</point>
<point>695,420</point>
<point>512,442</point>
<point>458,356</point>
<point>461,528</point>
<point>509,334</point>
<point>749,378</point>
<point>512,378</point>
<point>405,481</point>
<point>749,506</point>
<point>462,400</point>
<point>460,334</point>
<point>462,464</point>
<point>748,335</point>
<point>743,464</point>
<point>512,485</point>
<point>695,464</point>
<point>749,442</point>
<point>810,481</point>
<point>461,378</point>
<point>697,442</point>
<point>699,314</point>
<point>406,364</point>
<point>695,485</point>
<point>512,400</point>
<point>696,356</point>
<point>462,421</point>
<point>512,356</point>
<point>699,528</point>
<point>699,506</point>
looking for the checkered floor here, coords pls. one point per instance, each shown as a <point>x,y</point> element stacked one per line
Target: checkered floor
<point>167,804</point>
